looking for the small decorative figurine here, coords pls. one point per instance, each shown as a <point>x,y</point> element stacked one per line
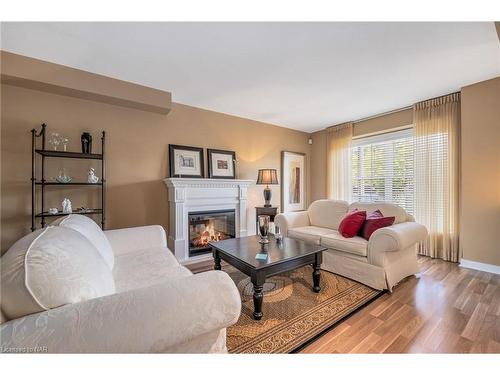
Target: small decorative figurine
<point>86,143</point>
<point>53,210</point>
<point>66,205</point>
<point>92,178</point>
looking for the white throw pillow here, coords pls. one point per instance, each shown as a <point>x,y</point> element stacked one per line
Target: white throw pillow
<point>89,228</point>
<point>49,268</point>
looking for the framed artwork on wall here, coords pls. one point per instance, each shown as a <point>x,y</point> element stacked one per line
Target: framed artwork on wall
<point>221,164</point>
<point>293,188</point>
<point>186,161</point>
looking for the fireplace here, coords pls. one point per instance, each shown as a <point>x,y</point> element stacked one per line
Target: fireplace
<point>208,226</point>
<point>198,196</point>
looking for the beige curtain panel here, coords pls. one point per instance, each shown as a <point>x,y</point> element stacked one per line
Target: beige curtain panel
<point>338,182</point>
<point>437,127</point>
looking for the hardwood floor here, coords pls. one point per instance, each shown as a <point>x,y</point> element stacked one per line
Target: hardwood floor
<point>445,309</point>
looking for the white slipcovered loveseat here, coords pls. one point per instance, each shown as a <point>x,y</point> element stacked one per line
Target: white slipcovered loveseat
<point>381,262</point>
<point>74,288</point>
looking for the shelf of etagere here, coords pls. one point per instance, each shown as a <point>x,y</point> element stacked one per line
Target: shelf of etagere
<point>89,211</point>
<point>68,154</point>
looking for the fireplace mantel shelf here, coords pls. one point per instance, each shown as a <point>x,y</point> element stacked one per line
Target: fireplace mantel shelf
<point>180,182</point>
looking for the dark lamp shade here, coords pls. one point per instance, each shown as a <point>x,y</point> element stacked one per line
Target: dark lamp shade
<point>267,177</point>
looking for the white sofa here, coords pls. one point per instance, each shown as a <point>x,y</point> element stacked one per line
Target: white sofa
<point>389,256</point>
<point>71,288</point>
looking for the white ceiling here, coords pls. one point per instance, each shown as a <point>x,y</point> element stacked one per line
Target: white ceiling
<point>303,76</point>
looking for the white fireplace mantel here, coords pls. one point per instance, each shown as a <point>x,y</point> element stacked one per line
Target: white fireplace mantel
<point>187,195</point>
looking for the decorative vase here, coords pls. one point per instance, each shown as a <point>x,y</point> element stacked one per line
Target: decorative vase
<point>263,221</point>
<point>63,178</point>
<point>86,143</point>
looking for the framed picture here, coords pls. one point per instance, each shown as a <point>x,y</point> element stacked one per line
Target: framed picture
<point>221,163</point>
<point>293,188</point>
<point>186,161</point>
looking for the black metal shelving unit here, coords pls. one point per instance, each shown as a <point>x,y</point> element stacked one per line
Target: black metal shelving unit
<point>43,183</point>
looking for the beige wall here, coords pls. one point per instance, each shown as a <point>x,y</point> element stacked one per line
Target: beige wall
<point>371,126</point>
<point>23,71</point>
<point>137,143</point>
<point>318,166</point>
<point>480,178</point>
<point>383,123</point>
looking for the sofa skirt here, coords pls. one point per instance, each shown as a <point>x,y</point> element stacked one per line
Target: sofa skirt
<point>359,270</point>
<point>398,265</point>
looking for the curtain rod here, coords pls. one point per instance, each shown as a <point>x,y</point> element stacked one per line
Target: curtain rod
<point>394,110</point>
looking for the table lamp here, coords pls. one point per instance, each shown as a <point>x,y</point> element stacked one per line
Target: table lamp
<point>267,177</point>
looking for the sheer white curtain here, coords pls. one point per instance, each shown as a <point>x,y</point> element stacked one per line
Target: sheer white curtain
<point>338,181</point>
<point>437,126</point>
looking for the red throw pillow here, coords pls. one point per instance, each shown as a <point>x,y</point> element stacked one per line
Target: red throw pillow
<point>352,223</point>
<point>374,221</point>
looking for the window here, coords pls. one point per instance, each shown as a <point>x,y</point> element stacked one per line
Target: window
<point>383,169</point>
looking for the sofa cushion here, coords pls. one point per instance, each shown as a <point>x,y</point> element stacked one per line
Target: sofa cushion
<point>375,220</point>
<point>49,268</point>
<point>309,234</point>
<point>355,245</point>
<point>89,228</point>
<point>352,223</point>
<point>387,209</point>
<point>327,213</point>
<point>146,267</point>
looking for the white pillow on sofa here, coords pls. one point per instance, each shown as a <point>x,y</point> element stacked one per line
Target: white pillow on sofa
<point>49,268</point>
<point>89,228</point>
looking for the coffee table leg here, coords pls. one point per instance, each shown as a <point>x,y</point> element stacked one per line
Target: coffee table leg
<point>258,296</point>
<point>316,274</point>
<point>217,265</point>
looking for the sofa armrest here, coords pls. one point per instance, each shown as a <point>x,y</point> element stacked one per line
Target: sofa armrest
<point>151,319</point>
<point>127,240</point>
<point>394,238</point>
<point>289,220</point>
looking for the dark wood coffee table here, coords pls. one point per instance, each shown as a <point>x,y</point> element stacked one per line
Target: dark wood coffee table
<point>283,256</point>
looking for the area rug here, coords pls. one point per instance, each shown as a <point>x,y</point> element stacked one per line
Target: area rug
<point>293,313</point>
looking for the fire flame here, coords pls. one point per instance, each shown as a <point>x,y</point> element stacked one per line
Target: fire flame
<point>209,234</point>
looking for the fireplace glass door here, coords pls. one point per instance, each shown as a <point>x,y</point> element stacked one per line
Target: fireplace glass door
<point>208,226</point>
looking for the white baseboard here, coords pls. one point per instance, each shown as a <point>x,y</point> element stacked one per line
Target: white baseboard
<point>480,266</point>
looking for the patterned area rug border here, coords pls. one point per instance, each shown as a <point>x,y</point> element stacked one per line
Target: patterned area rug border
<point>307,326</point>
<point>336,323</point>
